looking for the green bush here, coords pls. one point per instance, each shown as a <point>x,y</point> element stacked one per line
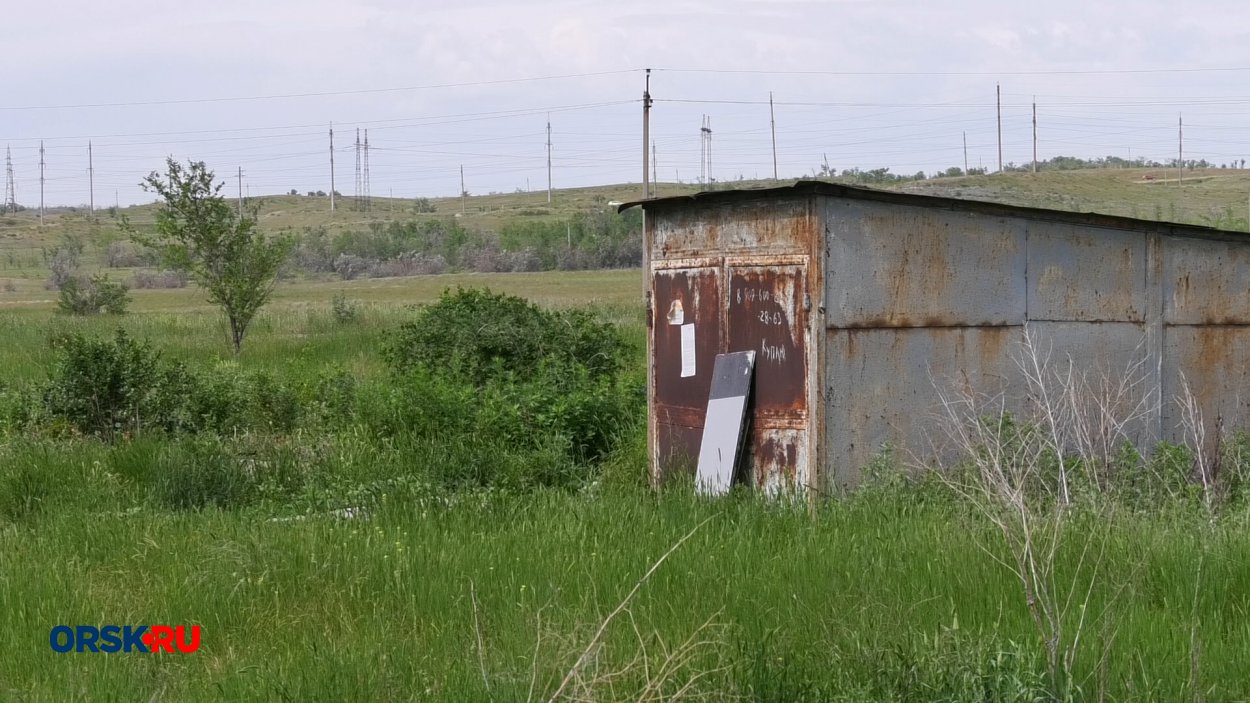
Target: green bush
<point>122,386</point>
<point>498,371</point>
<point>104,387</point>
<point>482,336</point>
<point>345,309</point>
<point>92,297</point>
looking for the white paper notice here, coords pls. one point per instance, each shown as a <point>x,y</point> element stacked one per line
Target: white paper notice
<point>687,350</point>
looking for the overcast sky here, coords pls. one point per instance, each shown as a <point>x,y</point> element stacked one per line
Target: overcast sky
<point>142,80</point>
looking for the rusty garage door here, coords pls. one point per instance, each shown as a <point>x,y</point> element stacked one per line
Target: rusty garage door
<point>768,311</point>
<point>765,309</point>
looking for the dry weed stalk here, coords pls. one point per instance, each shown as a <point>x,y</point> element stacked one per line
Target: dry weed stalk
<point>1071,419</point>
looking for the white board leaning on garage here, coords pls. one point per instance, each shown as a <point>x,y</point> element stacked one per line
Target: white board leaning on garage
<point>723,424</point>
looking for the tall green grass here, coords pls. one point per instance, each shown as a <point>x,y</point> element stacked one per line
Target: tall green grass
<point>885,596</point>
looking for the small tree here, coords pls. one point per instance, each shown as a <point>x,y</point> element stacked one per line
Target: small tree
<point>197,231</point>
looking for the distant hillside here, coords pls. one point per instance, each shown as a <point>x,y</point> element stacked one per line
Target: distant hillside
<point>1215,197</point>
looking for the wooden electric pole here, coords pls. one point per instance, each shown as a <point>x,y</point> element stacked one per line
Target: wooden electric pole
<point>462,191</point>
<point>240,193</point>
<point>331,167</point>
<point>965,153</point>
<point>548,159</point>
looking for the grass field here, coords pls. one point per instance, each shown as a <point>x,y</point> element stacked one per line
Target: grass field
<point>495,597</point>
<point>349,533</point>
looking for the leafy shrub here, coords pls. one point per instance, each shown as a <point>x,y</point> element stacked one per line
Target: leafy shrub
<point>125,255</point>
<point>107,387</point>
<point>99,294</point>
<point>481,336</point>
<point>513,377</point>
<point>103,387</point>
<point>64,263</point>
<point>345,310</point>
<point>168,278</point>
<point>332,396</point>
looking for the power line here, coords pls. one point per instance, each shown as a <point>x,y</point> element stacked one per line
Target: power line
<point>329,93</point>
<point>1073,72</point>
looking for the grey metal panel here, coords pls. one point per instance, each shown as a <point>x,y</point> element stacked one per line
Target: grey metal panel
<point>883,383</point>
<point>882,387</point>
<point>1206,282</point>
<point>1099,355</point>
<point>896,266</point>
<point>1085,273</point>
<point>1215,363</point>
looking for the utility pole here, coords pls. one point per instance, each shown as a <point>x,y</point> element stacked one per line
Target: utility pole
<point>40,182</point>
<point>91,178</point>
<point>1035,134</point>
<point>10,188</point>
<point>358,178</point>
<point>368,190</point>
<point>462,190</point>
<point>772,126</point>
<point>705,133</point>
<point>331,167</point>
<point>703,150</point>
<point>965,153</point>
<point>998,91</point>
<point>709,149</point>
<point>646,134</point>
<point>240,193</point>
<point>1180,149</point>
<point>548,160</point>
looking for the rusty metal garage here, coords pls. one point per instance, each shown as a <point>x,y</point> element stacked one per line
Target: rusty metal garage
<point>856,299</point>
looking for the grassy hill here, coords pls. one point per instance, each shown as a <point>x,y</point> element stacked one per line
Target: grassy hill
<point>1214,197</point>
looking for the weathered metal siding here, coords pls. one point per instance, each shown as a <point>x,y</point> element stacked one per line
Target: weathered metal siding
<point>1084,274</point>
<point>1206,340</point>
<point>882,388</point>
<point>924,296</point>
<point>888,266</point>
<point>915,297</point>
<point>739,273</point>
